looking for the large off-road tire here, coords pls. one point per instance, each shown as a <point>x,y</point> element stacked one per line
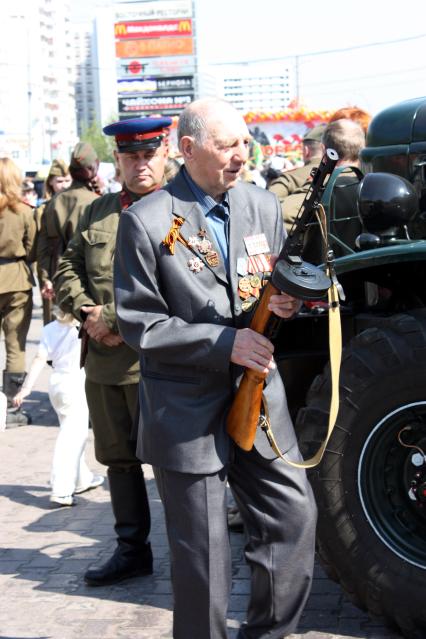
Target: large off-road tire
<point>371,489</point>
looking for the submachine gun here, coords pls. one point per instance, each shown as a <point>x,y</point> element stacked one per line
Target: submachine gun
<point>294,276</point>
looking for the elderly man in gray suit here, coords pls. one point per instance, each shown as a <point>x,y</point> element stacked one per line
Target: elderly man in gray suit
<point>190,263</point>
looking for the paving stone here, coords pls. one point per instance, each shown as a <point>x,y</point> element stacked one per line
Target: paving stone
<point>45,551</point>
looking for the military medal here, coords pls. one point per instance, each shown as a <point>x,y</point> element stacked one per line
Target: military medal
<point>204,246</point>
<point>195,264</point>
<point>193,241</point>
<point>255,281</point>
<point>249,288</point>
<point>259,263</point>
<point>212,258</point>
<point>248,304</point>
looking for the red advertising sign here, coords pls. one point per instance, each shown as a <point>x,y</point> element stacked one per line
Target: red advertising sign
<point>152,29</point>
<point>153,47</point>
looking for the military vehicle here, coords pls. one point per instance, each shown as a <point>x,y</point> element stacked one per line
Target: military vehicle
<point>371,484</point>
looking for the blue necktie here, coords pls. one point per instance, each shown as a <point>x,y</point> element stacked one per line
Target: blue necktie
<point>218,219</point>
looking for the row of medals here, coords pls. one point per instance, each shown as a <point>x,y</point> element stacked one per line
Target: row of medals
<point>249,286</point>
<point>202,244</point>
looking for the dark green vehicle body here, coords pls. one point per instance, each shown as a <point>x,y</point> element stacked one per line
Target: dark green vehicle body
<point>371,485</point>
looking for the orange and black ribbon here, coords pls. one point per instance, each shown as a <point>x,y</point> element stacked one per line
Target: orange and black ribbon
<point>174,235</point>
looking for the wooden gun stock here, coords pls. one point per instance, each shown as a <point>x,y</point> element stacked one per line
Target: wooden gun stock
<point>244,414</point>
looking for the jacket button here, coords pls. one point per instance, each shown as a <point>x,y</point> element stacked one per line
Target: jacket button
<point>237,308</point>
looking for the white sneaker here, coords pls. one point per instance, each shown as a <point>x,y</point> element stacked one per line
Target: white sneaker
<point>65,500</point>
<point>97,480</point>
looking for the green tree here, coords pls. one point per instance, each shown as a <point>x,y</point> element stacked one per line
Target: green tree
<point>103,144</point>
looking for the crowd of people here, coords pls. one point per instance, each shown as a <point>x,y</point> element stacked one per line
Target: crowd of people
<point>147,298</point>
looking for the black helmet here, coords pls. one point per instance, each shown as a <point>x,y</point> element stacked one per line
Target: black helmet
<point>386,201</point>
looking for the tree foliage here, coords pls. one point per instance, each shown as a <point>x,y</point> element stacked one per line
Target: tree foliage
<point>103,144</point>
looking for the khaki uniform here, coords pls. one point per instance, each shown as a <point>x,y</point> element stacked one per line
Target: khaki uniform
<point>85,277</point>
<point>47,304</point>
<point>343,205</point>
<point>58,222</point>
<point>290,205</point>
<point>17,238</point>
<point>289,181</point>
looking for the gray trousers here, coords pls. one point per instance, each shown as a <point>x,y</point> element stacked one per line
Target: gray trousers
<point>279,513</point>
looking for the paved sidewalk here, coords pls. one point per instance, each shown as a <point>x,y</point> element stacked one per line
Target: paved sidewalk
<point>44,553</point>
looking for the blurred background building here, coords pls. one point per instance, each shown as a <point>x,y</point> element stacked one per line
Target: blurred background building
<point>61,79</point>
<point>37,88</point>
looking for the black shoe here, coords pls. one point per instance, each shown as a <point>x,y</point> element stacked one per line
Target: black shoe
<point>122,565</point>
<point>15,418</point>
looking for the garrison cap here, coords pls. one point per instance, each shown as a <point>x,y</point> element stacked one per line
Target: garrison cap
<point>83,156</point>
<point>315,134</point>
<point>58,168</point>
<point>139,133</point>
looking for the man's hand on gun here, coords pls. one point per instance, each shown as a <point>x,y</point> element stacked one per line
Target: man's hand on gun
<point>255,351</point>
<point>284,306</point>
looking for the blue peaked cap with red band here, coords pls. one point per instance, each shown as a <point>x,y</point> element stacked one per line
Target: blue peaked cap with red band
<point>139,133</point>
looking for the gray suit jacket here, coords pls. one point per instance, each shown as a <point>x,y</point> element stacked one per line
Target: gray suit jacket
<point>183,325</point>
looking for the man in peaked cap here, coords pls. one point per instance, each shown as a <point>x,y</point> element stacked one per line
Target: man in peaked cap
<point>312,150</point>
<point>84,286</point>
<point>61,215</point>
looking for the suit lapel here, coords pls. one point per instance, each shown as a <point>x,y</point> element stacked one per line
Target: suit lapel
<point>240,226</point>
<point>183,205</point>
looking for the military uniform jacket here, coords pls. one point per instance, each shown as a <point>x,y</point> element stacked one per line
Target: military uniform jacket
<point>85,277</point>
<point>289,181</point>
<point>17,237</point>
<point>58,223</point>
<point>182,323</point>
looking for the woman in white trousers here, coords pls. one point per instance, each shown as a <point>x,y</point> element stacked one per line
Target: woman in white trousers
<point>59,344</point>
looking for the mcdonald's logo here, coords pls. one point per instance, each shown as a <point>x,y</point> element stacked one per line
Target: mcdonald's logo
<point>185,26</point>
<point>120,29</point>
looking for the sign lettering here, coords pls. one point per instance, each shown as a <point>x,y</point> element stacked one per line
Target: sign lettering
<point>154,47</point>
<point>152,29</point>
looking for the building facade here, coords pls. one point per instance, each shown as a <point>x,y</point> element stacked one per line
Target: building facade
<point>256,87</point>
<point>85,82</point>
<point>37,104</point>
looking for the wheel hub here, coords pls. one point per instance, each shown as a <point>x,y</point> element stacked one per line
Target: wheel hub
<point>392,481</point>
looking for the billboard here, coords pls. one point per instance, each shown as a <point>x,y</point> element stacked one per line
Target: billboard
<point>146,104</point>
<point>140,85</point>
<point>154,47</point>
<point>155,10</point>
<point>141,67</point>
<point>152,29</point>
<point>153,85</point>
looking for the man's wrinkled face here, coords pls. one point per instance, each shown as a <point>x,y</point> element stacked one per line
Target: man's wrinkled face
<point>142,171</point>
<point>216,164</point>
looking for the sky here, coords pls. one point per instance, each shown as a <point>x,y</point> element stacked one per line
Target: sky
<point>366,53</point>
